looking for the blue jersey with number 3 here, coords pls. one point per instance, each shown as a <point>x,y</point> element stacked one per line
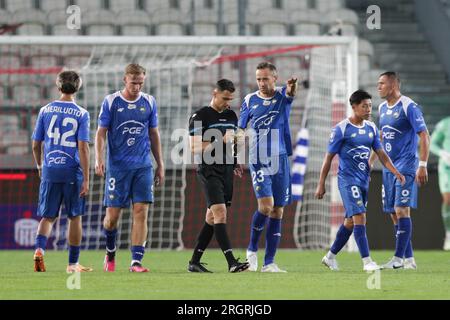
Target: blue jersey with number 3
<point>353,144</point>
<point>61,124</point>
<point>128,123</point>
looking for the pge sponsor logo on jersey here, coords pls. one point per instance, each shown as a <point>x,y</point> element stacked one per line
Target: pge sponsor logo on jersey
<point>389,132</point>
<point>266,120</point>
<point>360,152</point>
<point>132,127</point>
<point>57,157</point>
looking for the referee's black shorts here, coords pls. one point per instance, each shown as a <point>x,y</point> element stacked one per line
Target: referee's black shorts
<point>217,183</point>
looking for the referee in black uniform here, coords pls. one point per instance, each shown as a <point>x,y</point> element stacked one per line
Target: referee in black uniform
<point>212,140</point>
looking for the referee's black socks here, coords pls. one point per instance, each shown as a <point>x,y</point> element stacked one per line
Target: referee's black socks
<point>222,238</point>
<point>203,240</point>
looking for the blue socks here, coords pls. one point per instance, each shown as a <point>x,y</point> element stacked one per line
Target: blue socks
<point>74,254</point>
<point>409,253</point>
<point>273,237</point>
<point>359,232</point>
<point>137,253</point>
<point>403,237</point>
<point>258,223</point>
<point>110,239</point>
<point>40,242</point>
<point>341,239</point>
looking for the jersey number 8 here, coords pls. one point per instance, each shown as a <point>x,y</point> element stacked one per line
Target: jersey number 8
<point>355,192</point>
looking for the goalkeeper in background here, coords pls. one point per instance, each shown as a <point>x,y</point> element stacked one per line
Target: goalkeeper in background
<point>130,119</point>
<point>63,127</point>
<point>440,146</point>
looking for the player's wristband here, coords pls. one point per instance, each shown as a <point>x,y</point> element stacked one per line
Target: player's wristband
<point>423,164</point>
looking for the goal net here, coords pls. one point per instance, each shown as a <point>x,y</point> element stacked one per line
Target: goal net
<point>181,73</point>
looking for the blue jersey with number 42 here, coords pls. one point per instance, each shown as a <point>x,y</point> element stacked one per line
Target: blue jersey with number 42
<point>353,144</point>
<point>61,124</point>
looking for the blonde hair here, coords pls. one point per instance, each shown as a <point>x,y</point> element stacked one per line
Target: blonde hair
<point>134,69</point>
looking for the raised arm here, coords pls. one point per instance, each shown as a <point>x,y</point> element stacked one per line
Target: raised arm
<point>326,165</point>
<point>291,87</point>
<point>155,141</point>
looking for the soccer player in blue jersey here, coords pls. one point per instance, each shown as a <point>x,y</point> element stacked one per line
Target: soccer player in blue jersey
<point>62,128</point>
<point>267,110</point>
<point>353,140</point>
<point>130,119</point>
<point>402,129</point>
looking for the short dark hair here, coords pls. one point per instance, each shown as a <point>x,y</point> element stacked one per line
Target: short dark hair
<point>391,75</point>
<point>225,85</point>
<point>358,96</point>
<point>68,81</point>
<point>266,65</point>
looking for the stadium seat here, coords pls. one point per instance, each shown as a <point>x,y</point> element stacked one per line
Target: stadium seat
<point>230,71</point>
<point>365,53</point>
<point>90,5</point>
<point>306,22</point>
<point>168,22</point>
<point>287,66</point>
<point>231,20</point>
<point>17,142</point>
<point>206,73</point>
<point>27,95</point>
<point>5,99</point>
<point>133,23</point>
<point>205,22</point>
<point>270,22</point>
<point>263,5</point>
<point>155,5</point>
<point>10,60</point>
<point>120,6</point>
<point>75,61</point>
<point>329,5</point>
<point>201,94</point>
<point>294,5</point>
<point>100,23</point>
<point>44,60</point>
<point>5,17</point>
<point>16,5</point>
<point>33,22</point>
<point>368,79</point>
<point>348,18</point>
<point>48,5</point>
<point>57,23</point>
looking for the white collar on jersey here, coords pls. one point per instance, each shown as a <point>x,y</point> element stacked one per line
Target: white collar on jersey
<point>396,102</point>
<point>139,96</point>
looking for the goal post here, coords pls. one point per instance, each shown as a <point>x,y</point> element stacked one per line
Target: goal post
<point>181,74</point>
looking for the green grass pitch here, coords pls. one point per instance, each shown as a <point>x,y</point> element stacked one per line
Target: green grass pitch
<point>169,280</point>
